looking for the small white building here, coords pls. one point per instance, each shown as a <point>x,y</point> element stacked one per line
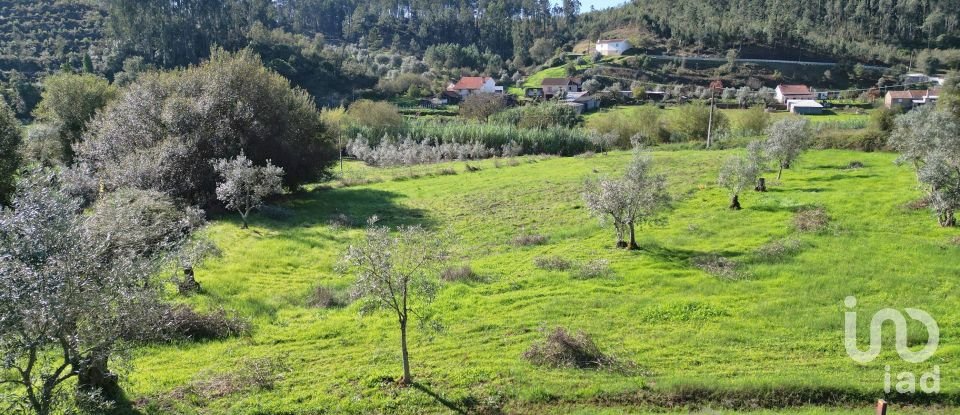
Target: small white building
<point>612,47</point>
<point>804,107</point>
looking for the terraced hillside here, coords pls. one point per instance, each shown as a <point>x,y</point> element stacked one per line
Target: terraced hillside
<point>40,35</point>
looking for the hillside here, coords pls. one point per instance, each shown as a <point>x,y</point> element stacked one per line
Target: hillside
<point>763,333</point>
<point>39,36</point>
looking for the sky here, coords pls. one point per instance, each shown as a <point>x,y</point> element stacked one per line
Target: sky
<point>599,4</point>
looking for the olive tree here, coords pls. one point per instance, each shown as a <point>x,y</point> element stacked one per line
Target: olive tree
<point>929,139</point>
<point>399,272</point>
<point>10,138</point>
<point>786,140</point>
<point>737,174</point>
<point>244,185</point>
<point>71,295</point>
<point>629,202</point>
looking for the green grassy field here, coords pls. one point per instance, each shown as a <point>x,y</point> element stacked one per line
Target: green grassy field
<point>771,337</point>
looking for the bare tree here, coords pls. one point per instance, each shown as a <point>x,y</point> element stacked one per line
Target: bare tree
<point>786,140</point>
<point>70,295</point>
<point>244,185</point>
<point>398,272</point>
<point>929,139</point>
<point>631,201</point>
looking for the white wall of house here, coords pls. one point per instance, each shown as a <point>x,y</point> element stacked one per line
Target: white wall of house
<point>612,48</point>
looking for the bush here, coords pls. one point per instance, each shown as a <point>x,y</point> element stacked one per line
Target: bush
<point>164,129</point>
<point>778,249</point>
<point>644,123</point>
<point>69,101</point>
<point>811,220</point>
<point>597,268</point>
<point>539,116</point>
<point>718,266</point>
<point>326,297</point>
<point>253,374</point>
<point>530,240</point>
<point>141,221</point>
<point>377,115</point>
<point>754,121</point>
<point>552,263</point>
<point>690,121</point>
<point>182,323</point>
<point>565,350</point>
<point>459,274</point>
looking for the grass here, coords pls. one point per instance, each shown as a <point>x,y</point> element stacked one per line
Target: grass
<point>768,339</point>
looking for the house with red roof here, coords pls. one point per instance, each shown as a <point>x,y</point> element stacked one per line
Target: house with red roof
<point>475,84</point>
<point>785,93</point>
<point>909,99</point>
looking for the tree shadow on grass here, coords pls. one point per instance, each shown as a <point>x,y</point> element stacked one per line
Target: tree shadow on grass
<point>347,207</point>
<point>682,258</point>
<point>838,177</point>
<point>443,401</point>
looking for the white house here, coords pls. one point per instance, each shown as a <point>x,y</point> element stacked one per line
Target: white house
<point>787,92</point>
<point>612,47</point>
<point>554,86</point>
<point>475,84</point>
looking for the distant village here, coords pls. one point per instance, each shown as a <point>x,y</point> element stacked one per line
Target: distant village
<point>798,99</point>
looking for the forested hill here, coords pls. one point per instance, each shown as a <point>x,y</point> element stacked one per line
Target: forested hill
<point>883,31</point>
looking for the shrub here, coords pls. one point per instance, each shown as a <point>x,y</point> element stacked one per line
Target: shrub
<point>461,273</point>
<point>182,323</point>
<point>778,249</point>
<point>563,349</point>
<point>69,101</point>
<point>643,123</point>
<point>326,297</point>
<point>253,374</point>
<point>141,221</point>
<point>548,114</point>
<point>530,239</point>
<point>163,130</point>
<point>955,241</point>
<point>811,220</point>
<point>718,266</point>
<point>690,122</point>
<point>552,263</point>
<point>854,165</point>
<point>597,268</point>
<point>378,115</point>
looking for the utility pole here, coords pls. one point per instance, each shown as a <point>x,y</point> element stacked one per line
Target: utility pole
<point>713,93</point>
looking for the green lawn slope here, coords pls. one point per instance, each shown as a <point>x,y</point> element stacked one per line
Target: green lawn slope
<point>771,337</point>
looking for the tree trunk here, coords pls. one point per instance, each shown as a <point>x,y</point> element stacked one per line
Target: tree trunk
<point>93,375</point>
<point>735,202</point>
<point>780,173</point>
<point>633,239</point>
<point>761,185</point>
<point>407,379</point>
